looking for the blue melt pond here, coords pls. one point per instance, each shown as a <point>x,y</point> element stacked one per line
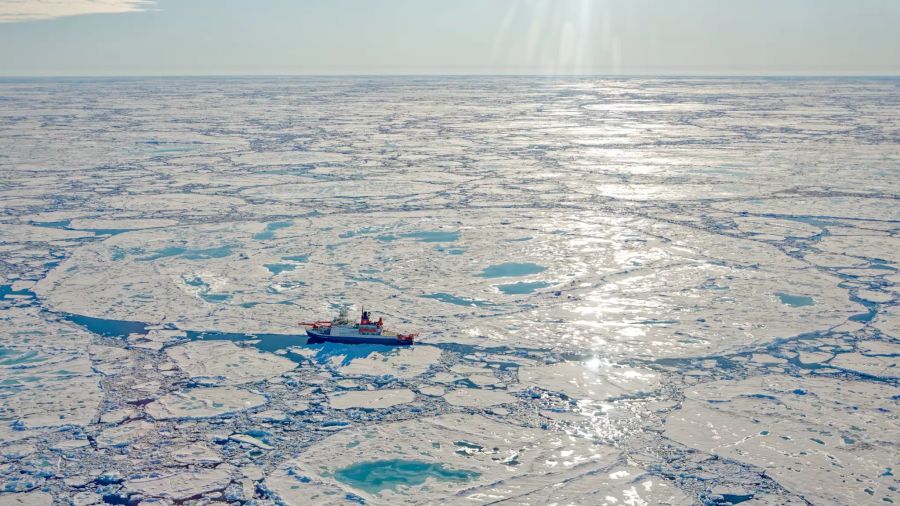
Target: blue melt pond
<point>279,268</point>
<point>795,300</point>
<point>423,236</point>
<point>450,251</point>
<point>522,287</point>
<point>511,269</point>
<point>269,232</point>
<point>195,282</point>
<point>107,231</point>
<point>373,477</point>
<point>12,357</point>
<point>433,236</point>
<point>189,254</point>
<point>459,301</point>
<point>215,297</point>
<point>206,254</point>
<point>736,498</point>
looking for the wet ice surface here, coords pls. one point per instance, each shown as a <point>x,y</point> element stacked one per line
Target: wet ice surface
<point>466,457</point>
<point>626,290</point>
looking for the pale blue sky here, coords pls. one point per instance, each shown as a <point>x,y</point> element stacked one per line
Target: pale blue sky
<point>604,37</point>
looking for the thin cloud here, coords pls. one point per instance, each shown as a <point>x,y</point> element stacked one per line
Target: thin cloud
<point>12,11</point>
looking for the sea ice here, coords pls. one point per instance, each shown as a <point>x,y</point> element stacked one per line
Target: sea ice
<point>35,498</point>
<point>370,399</point>
<point>197,453</point>
<point>203,403</point>
<point>589,380</point>
<point>125,434</point>
<point>475,397</point>
<point>179,486</point>
<point>404,363</point>
<point>227,362</point>
<point>500,459</point>
<point>805,432</point>
<point>46,376</point>
<point>881,367</point>
<point>695,298</point>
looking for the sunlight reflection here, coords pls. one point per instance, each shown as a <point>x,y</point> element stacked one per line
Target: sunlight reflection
<point>559,39</point>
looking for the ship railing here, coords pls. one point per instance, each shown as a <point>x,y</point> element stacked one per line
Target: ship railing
<point>316,324</point>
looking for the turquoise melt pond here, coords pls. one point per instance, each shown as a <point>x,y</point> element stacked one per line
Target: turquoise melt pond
<point>13,357</point>
<point>189,254</point>
<point>373,477</point>
<point>522,287</point>
<point>215,297</point>
<point>433,236</point>
<point>279,268</point>
<point>795,300</point>
<point>511,270</point>
<point>459,301</point>
<point>270,230</point>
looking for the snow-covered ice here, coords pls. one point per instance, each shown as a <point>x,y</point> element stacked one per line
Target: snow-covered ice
<point>589,380</point>
<point>225,362</point>
<point>627,291</point>
<point>203,402</point>
<point>807,433</point>
<point>371,399</point>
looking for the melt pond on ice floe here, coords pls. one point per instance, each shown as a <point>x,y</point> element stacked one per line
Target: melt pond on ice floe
<point>669,253</point>
<point>371,399</point>
<point>626,291</point>
<point>593,379</point>
<point>227,363</point>
<point>48,379</point>
<point>805,432</point>
<point>204,403</point>
<point>197,453</point>
<point>491,460</point>
<point>125,434</point>
<point>406,362</point>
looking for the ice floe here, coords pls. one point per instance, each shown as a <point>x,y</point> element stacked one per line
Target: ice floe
<point>402,362</point>
<point>125,434</point>
<point>197,453</point>
<point>474,397</point>
<point>204,403</point>
<point>626,291</point>
<point>592,380</point>
<point>27,499</point>
<point>370,399</point>
<point>806,433</point>
<point>473,458</point>
<point>179,486</point>
<point>226,363</point>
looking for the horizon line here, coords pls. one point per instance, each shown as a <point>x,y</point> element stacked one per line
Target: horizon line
<point>457,75</point>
